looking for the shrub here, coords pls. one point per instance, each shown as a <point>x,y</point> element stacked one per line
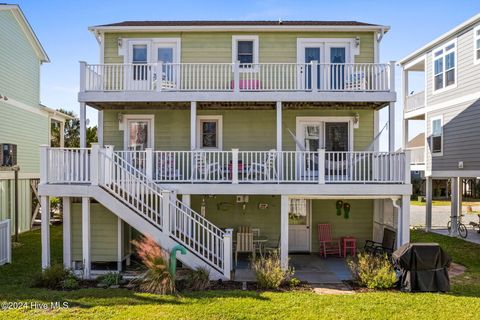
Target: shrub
<point>373,271</point>
<point>269,273</point>
<point>294,282</point>
<point>55,277</point>
<point>198,279</point>
<point>157,279</point>
<point>110,279</point>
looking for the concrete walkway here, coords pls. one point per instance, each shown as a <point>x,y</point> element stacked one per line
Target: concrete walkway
<point>440,217</point>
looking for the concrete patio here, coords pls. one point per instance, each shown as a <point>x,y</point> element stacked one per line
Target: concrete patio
<point>308,267</point>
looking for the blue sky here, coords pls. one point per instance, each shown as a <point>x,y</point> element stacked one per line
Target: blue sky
<point>62,28</point>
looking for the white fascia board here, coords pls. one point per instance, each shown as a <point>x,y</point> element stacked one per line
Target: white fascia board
<point>470,22</point>
<point>235,28</point>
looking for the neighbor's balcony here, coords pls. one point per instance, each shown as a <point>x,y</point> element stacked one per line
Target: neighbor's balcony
<point>233,77</point>
<point>73,166</point>
<point>415,101</point>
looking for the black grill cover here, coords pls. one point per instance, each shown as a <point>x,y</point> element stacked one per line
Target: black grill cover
<point>423,266</point>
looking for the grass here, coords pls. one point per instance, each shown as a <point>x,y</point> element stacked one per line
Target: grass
<point>462,303</point>
<point>444,203</point>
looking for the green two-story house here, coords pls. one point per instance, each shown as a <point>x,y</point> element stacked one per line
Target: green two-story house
<point>24,122</point>
<point>206,127</point>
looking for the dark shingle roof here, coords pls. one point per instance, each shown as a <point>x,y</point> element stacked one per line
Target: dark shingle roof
<point>199,23</point>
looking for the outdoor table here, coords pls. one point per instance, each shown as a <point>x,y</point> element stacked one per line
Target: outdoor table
<point>349,243</point>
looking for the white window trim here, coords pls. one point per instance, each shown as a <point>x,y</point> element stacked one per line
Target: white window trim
<point>217,118</point>
<point>475,38</point>
<point>253,38</point>
<point>304,120</point>
<point>127,117</point>
<point>440,117</point>
<point>323,44</point>
<point>455,50</point>
<point>152,44</point>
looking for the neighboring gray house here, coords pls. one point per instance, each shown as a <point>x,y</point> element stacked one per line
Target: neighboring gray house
<point>450,106</point>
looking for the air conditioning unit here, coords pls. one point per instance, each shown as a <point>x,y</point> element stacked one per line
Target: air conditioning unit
<point>8,155</point>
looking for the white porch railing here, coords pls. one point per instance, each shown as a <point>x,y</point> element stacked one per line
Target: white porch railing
<point>278,167</point>
<point>417,156</point>
<point>312,76</point>
<point>5,242</point>
<point>415,101</point>
<point>68,165</point>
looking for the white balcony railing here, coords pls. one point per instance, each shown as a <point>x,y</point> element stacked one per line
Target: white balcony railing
<point>235,77</point>
<point>417,156</point>
<point>415,101</point>
<point>73,166</point>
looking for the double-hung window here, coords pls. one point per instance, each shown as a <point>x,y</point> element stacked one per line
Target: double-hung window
<point>437,136</point>
<point>245,50</point>
<point>209,132</point>
<point>444,66</point>
<point>476,44</point>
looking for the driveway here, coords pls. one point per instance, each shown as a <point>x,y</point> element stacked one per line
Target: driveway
<point>440,216</point>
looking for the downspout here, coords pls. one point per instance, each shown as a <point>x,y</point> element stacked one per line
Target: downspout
<point>399,221</point>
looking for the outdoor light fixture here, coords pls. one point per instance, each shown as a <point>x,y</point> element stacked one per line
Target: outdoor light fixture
<point>120,42</point>
<point>357,41</point>
<point>356,120</point>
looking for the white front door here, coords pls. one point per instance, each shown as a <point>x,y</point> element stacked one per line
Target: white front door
<point>166,54</point>
<point>138,75</point>
<point>299,225</point>
<point>138,133</point>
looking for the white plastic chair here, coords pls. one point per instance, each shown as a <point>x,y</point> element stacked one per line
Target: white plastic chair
<point>203,169</point>
<point>267,169</point>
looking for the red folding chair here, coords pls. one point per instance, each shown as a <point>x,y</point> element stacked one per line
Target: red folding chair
<point>328,245</point>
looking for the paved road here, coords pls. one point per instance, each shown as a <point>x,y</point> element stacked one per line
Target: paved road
<point>440,216</point>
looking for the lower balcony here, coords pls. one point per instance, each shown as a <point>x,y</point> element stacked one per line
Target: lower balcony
<point>73,166</point>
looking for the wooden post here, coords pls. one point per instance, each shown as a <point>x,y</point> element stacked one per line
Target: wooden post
<point>193,125</point>
<point>107,169</point>
<point>391,127</point>
<point>44,163</point>
<point>279,141</point>
<point>392,76</point>
<point>405,219</point>
<point>15,169</point>
<point>236,76</point>
<point>45,229</point>
<point>120,231</point>
<point>94,164</point>
<point>67,238</point>
<point>100,128</point>
<point>454,207</point>
<point>235,166</point>
<point>284,231</point>
<point>86,237</point>
<point>314,75</point>
<point>321,166</point>
<point>149,163</point>
<point>428,207</point>
<point>83,76</point>
<point>159,71</point>
<point>408,156</point>
<point>227,253</point>
<point>83,125</point>
<point>166,198</point>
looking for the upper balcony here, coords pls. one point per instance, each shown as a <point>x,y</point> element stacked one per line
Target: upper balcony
<point>414,105</point>
<point>344,82</point>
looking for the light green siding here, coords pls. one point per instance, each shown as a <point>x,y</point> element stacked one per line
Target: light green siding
<point>104,235</point>
<point>19,64</point>
<point>7,198</point>
<point>359,225</point>
<point>28,130</point>
<point>243,129</point>
<point>217,46</point>
<point>225,212</point>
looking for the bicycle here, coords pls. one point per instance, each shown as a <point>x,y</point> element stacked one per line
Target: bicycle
<point>461,228</point>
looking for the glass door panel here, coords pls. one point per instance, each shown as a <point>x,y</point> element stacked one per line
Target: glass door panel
<point>337,69</point>
<point>312,54</point>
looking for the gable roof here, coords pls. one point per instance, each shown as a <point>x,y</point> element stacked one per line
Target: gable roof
<point>226,25</point>
<point>417,142</point>
<point>27,28</point>
<point>432,44</point>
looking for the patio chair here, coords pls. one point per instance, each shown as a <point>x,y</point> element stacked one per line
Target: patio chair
<point>203,169</point>
<point>265,170</point>
<point>244,242</point>
<point>328,245</point>
<point>166,167</point>
<point>275,247</point>
<point>386,246</point>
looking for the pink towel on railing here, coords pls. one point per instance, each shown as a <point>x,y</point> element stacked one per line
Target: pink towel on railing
<point>246,84</point>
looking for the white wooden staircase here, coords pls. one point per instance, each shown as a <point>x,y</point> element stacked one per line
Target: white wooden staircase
<point>146,206</point>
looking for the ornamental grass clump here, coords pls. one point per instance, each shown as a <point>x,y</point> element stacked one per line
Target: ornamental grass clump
<point>373,271</point>
<point>269,273</point>
<point>198,280</point>
<point>157,279</point>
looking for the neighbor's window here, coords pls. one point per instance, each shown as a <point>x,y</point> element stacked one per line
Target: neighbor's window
<point>209,132</point>
<point>444,66</point>
<point>437,135</point>
<point>476,44</point>
<point>245,50</point>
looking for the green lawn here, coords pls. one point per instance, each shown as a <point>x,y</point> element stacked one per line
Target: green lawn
<point>462,303</point>
<point>445,203</point>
